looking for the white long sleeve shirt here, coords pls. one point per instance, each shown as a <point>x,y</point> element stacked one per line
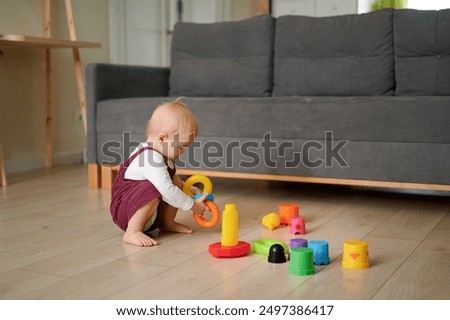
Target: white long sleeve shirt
<point>151,165</point>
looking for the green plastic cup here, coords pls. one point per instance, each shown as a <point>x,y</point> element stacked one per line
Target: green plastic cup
<point>301,262</point>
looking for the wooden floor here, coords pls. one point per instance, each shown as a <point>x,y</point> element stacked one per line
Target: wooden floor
<point>57,241</point>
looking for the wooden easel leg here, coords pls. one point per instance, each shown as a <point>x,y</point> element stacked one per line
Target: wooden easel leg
<point>94,176</point>
<point>48,87</point>
<point>77,63</point>
<point>3,181</point>
<point>48,130</point>
<point>262,7</point>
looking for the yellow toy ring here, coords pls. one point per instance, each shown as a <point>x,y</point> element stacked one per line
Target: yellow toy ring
<point>197,178</point>
<point>202,222</point>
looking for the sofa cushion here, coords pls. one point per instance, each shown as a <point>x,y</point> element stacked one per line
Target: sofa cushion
<point>381,119</point>
<point>349,55</point>
<point>222,59</point>
<point>422,52</point>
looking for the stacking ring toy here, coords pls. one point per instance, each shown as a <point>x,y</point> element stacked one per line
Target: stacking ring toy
<point>209,202</point>
<point>262,246</point>
<point>202,222</point>
<point>197,178</point>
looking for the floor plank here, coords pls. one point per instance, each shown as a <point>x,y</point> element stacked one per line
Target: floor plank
<point>445,222</point>
<point>17,283</point>
<point>188,279</point>
<point>65,241</point>
<point>69,264</point>
<point>425,274</point>
<point>414,222</point>
<point>97,283</point>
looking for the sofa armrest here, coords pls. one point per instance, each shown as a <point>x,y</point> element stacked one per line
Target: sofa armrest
<point>112,81</point>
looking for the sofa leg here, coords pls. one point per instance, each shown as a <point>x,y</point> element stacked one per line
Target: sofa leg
<point>101,176</point>
<point>108,174</point>
<point>94,176</point>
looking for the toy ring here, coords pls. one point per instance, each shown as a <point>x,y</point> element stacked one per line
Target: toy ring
<point>197,178</point>
<point>202,222</point>
<point>262,246</point>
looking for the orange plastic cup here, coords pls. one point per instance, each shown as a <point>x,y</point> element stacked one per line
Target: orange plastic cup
<point>287,212</point>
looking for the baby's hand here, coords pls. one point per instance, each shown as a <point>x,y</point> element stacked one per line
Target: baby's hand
<point>195,190</point>
<point>199,207</point>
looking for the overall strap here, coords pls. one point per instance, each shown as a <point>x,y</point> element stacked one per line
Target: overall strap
<point>126,164</point>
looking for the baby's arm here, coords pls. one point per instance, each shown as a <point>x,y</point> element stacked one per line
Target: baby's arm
<point>199,207</point>
<point>171,190</point>
<point>180,184</point>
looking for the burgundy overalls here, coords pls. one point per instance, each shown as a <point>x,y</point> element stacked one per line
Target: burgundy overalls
<point>127,196</point>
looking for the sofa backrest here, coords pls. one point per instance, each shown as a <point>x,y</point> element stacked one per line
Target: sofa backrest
<point>222,59</point>
<point>349,55</point>
<point>422,52</point>
<point>385,52</point>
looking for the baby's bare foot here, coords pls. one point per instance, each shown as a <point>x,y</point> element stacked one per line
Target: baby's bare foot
<point>139,239</point>
<point>176,227</point>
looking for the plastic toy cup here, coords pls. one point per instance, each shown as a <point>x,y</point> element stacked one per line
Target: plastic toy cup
<point>298,242</point>
<point>298,225</point>
<point>320,251</point>
<point>287,211</point>
<point>355,255</point>
<point>301,263</point>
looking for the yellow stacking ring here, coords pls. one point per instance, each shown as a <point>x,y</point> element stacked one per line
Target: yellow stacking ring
<point>197,178</point>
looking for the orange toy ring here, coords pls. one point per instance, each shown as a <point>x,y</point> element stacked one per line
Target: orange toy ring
<point>202,222</point>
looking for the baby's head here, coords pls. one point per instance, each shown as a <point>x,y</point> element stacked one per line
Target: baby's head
<point>171,128</point>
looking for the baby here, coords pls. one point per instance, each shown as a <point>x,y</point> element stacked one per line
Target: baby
<point>147,193</point>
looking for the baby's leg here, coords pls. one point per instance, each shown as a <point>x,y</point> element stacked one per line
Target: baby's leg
<point>134,234</point>
<point>168,219</point>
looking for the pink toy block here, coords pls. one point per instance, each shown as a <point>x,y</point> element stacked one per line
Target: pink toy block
<point>298,225</point>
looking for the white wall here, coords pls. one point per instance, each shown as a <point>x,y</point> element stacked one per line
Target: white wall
<point>22,81</point>
<point>428,4</point>
<point>364,5</point>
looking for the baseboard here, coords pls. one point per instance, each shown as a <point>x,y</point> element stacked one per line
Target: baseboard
<point>37,162</point>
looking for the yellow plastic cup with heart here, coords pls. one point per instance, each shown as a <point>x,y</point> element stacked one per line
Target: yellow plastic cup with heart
<point>355,254</point>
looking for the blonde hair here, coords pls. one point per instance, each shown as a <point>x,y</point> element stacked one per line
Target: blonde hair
<point>172,116</point>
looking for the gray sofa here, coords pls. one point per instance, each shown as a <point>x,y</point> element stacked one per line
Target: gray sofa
<point>354,99</point>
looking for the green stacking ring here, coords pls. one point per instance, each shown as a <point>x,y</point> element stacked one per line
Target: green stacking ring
<point>262,246</point>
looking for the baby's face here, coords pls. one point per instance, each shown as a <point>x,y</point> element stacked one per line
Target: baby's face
<point>175,146</point>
